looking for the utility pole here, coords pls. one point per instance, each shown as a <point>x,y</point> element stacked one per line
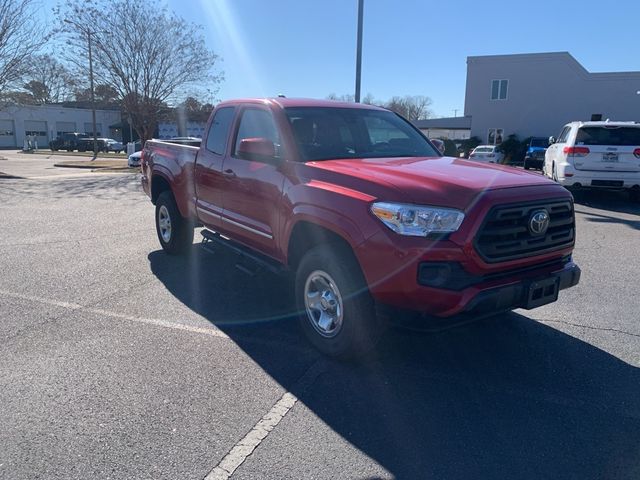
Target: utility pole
<point>359,50</point>
<point>88,32</point>
<point>93,99</point>
<point>455,112</point>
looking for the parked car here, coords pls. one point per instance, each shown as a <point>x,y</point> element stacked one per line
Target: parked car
<point>362,216</point>
<point>486,154</point>
<point>596,155</point>
<point>134,159</point>
<point>71,142</point>
<point>439,144</point>
<point>111,145</point>
<point>534,156</point>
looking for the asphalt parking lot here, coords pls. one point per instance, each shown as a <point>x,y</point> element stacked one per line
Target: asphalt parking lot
<point>118,361</point>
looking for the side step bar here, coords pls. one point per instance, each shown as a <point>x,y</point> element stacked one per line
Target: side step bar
<point>249,262</point>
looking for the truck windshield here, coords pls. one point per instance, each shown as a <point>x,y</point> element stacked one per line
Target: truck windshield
<point>323,133</point>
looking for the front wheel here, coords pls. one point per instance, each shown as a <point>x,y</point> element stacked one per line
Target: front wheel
<point>174,231</point>
<point>336,311</point>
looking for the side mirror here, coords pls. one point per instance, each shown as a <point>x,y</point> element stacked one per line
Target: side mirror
<point>552,140</point>
<point>258,149</point>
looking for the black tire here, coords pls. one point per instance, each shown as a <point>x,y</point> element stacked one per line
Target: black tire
<point>526,167</point>
<point>178,238</point>
<point>554,174</point>
<point>360,328</point>
<point>634,195</point>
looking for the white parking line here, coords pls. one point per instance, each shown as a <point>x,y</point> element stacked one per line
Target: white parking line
<point>211,331</point>
<point>245,447</point>
<point>251,440</point>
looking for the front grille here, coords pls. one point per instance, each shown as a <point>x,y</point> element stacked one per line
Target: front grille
<point>539,154</point>
<point>505,233</point>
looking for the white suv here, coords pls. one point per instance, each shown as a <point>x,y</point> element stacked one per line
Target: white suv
<point>596,154</point>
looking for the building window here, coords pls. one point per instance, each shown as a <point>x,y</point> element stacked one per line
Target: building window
<point>35,133</point>
<point>499,89</point>
<point>495,136</point>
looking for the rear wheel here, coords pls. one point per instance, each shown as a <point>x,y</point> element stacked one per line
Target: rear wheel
<point>634,195</point>
<point>554,173</point>
<point>174,231</point>
<point>336,311</point>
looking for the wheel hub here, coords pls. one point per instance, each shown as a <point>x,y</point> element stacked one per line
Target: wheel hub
<point>323,303</point>
<point>164,223</point>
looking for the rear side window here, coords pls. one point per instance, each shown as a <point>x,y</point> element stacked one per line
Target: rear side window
<point>562,138</point>
<point>614,135</point>
<point>219,130</point>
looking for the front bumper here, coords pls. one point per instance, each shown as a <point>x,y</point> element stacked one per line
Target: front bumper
<point>418,287</point>
<point>528,293</point>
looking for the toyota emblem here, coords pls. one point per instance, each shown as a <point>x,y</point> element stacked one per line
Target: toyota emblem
<point>539,222</point>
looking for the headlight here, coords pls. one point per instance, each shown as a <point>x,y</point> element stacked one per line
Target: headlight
<point>417,220</point>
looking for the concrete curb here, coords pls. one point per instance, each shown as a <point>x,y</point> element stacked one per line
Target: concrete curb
<point>93,165</point>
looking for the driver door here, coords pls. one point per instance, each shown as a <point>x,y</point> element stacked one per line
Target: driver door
<point>252,193</point>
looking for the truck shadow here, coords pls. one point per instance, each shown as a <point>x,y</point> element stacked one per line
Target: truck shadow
<point>611,200</point>
<point>506,397</point>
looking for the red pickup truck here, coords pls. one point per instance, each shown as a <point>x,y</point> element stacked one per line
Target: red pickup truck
<point>365,212</point>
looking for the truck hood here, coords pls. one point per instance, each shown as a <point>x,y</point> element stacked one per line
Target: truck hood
<point>445,181</point>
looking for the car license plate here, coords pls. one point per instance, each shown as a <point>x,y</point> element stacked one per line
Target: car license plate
<point>542,292</point>
<point>610,157</point>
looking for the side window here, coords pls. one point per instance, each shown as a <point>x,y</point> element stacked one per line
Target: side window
<point>562,138</point>
<point>257,123</point>
<point>219,130</point>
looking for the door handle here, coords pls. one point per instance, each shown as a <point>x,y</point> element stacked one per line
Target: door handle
<point>228,173</point>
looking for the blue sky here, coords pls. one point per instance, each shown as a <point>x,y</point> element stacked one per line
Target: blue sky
<point>306,48</point>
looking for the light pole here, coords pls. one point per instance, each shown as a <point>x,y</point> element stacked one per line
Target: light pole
<point>88,32</point>
<point>359,50</point>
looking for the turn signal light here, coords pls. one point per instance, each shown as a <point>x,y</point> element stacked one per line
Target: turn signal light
<point>576,151</point>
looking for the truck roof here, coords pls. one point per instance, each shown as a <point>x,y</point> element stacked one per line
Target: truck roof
<point>299,102</point>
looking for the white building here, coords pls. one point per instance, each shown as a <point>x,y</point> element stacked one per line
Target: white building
<point>536,94</point>
<point>452,128</point>
<point>45,122</point>
<point>191,129</point>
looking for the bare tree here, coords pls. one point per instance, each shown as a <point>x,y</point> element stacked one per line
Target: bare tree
<point>150,59</point>
<point>20,38</point>
<point>49,81</point>
<point>412,107</point>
